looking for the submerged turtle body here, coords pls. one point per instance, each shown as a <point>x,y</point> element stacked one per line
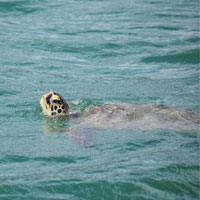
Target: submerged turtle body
<point>141,117</point>
<point>123,115</point>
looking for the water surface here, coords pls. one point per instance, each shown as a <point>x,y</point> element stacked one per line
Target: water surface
<point>101,50</point>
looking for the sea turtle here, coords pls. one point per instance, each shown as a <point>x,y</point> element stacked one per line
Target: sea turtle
<point>122,115</point>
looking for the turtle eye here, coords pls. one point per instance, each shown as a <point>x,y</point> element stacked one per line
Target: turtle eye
<point>57,101</point>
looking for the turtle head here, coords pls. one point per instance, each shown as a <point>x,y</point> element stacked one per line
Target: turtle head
<point>53,104</point>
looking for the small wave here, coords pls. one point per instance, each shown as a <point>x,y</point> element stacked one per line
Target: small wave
<point>14,158</point>
<point>8,93</point>
<point>176,188</point>
<point>108,190</point>
<point>17,7</point>
<point>10,5</point>
<point>60,159</point>
<point>187,57</point>
<point>174,15</point>
<point>193,40</point>
<point>56,159</point>
<point>13,189</point>
<point>167,28</point>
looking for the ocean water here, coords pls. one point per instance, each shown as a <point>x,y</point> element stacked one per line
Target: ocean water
<point>135,51</point>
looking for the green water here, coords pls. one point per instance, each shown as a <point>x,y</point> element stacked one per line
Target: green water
<point>134,51</point>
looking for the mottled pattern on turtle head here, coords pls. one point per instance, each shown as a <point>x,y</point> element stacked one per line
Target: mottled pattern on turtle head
<point>54,104</point>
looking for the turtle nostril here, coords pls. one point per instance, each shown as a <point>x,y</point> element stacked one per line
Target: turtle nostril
<point>53,113</point>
